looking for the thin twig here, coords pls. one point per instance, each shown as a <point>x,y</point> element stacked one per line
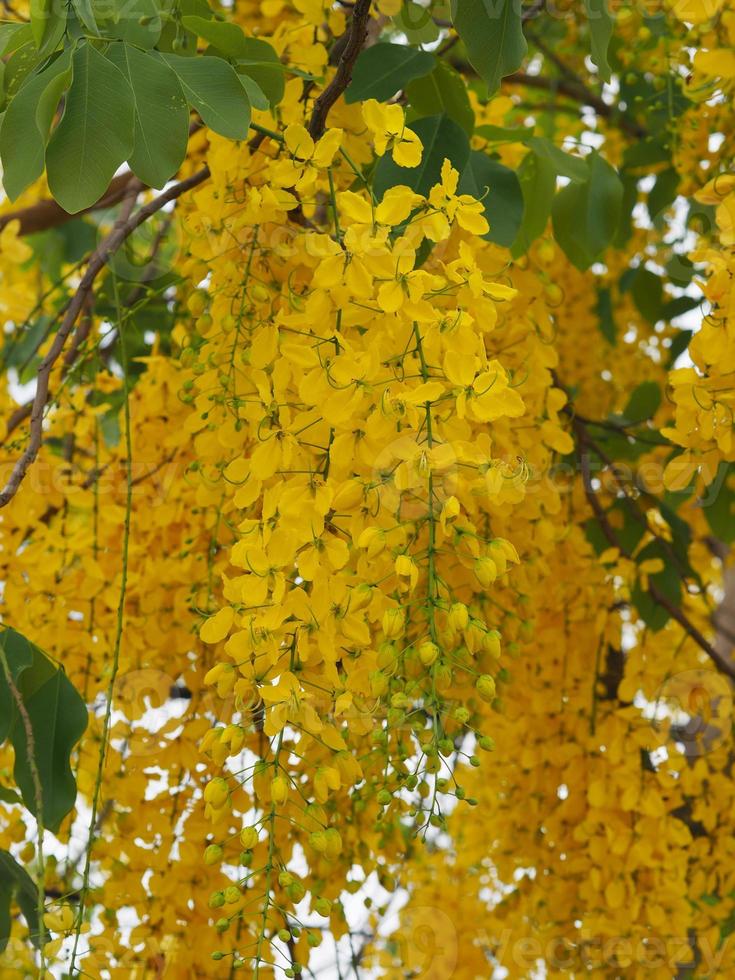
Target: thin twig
<point>120,625</point>
<point>722,663</point>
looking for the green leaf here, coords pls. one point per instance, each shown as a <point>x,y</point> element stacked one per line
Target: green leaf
<point>718,506</point>
<point>19,66</point>
<point>645,153</point>
<point>260,62</point>
<point>564,164</point>
<point>663,194</point>
<point>140,22</point>
<point>500,191</point>
<point>256,96</point>
<point>385,69</point>
<point>442,138</point>
<point>648,295</point>
<point>643,403</point>
<point>212,87</point>
<point>26,124</point>
<point>10,31</point>
<point>492,33</point>
<point>538,182</point>
<point>630,199</point>
<point>161,114</point>
<point>504,134</point>
<point>585,215</point>
<point>40,12</point>
<point>680,270</point>
<point>96,132</point>
<point>442,90</point>
<point>21,659</point>
<point>416,22</point>
<point>601,30</point>
<point>58,718</point>
<point>6,897</point>
<point>679,343</point>
<point>678,306</point>
<point>226,37</point>
<point>85,12</point>
<point>15,882</point>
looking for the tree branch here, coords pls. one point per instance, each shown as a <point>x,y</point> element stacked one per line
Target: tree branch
<point>356,34</point>
<point>123,228</point>
<point>579,92</point>
<point>723,663</point>
<point>48,214</point>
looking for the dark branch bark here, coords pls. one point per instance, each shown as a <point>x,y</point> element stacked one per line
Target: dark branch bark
<point>48,214</point>
<point>356,34</point>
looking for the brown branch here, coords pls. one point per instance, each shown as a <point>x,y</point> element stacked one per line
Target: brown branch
<point>723,663</point>
<point>123,228</point>
<point>356,34</point>
<point>48,214</point>
<point>23,411</point>
<point>578,92</point>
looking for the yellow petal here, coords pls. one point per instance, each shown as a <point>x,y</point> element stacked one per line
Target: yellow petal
<point>218,626</point>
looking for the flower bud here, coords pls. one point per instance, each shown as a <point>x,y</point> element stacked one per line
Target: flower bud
<point>279,790</point>
<point>486,571</point>
<point>459,616</point>
<point>213,854</point>
<point>485,687</point>
<point>393,622</point>
<point>428,652</point>
<point>217,792</point>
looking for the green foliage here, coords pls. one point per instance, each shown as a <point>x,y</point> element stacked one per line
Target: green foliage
<point>499,189</point>
<point>57,716</point>
<point>384,69</point>
<point>585,213</point>
<point>492,33</point>
<point>126,84</point>
<point>647,292</point>
<point>161,116</point>
<point>605,313</point>
<point>601,30</point>
<point>26,125</point>
<point>442,91</point>
<point>537,176</point>
<point>211,86</point>
<point>16,884</point>
<point>643,403</point>
<point>229,39</point>
<point>259,61</point>
<point>719,505</point>
<point>95,134</point>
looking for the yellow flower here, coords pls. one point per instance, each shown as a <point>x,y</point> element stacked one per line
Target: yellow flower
<point>303,147</point>
<point>279,790</point>
<point>288,704</point>
<point>387,124</point>
<point>462,208</point>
